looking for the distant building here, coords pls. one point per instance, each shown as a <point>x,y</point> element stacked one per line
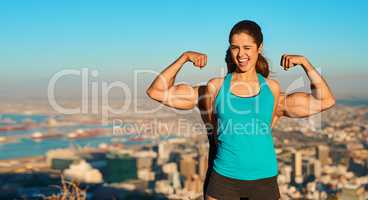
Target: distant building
<point>323,154</point>
<point>317,170</point>
<point>164,150</point>
<point>176,180</point>
<point>164,186</point>
<point>144,163</point>
<point>193,184</point>
<point>146,174</point>
<point>297,167</point>
<point>187,166</point>
<point>115,167</point>
<point>352,192</point>
<point>358,167</point>
<point>311,167</point>
<point>203,165</point>
<point>286,171</point>
<point>170,168</point>
<point>119,168</point>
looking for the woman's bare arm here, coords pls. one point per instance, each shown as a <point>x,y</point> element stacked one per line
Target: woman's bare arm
<point>302,104</point>
<point>180,96</point>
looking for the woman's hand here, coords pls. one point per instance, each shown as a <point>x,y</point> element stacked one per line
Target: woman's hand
<point>288,61</point>
<point>198,59</point>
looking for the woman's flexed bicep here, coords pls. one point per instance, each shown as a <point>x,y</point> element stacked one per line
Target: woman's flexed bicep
<point>180,96</point>
<point>301,104</point>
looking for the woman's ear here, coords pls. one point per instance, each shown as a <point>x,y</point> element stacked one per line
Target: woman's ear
<point>260,48</point>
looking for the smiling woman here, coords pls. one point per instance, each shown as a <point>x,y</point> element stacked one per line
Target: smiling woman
<point>246,45</point>
<point>240,110</point>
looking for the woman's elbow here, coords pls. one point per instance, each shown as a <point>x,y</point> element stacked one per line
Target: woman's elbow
<point>149,92</point>
<point>328,103</point>
<point>154,94</point>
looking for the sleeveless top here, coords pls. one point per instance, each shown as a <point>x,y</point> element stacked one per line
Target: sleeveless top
<point>245,149</point>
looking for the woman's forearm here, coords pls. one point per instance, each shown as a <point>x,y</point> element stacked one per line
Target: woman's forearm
<point>319,87</point>
<point>166,79</point>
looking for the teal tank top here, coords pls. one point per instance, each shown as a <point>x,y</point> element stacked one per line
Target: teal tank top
<point>245,149</point>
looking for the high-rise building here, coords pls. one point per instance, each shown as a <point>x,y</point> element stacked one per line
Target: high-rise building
<point>193,184</point>
<point>308,168</point>
<point>317,168</point>
<point>176,180</point>
<point>203,149</point>
<point>187,166</point>
<point>286,171</point>
<point>164,149</point>
<point>203,165</point>
<point>323,154</point>
<point>297,166</point>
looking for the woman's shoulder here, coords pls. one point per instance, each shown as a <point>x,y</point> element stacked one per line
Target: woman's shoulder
<point>272,82</point>
<point>214,84</point>
<point>274,85</point>
<point>216,81</point>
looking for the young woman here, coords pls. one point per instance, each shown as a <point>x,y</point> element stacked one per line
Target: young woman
<point>240,110</point>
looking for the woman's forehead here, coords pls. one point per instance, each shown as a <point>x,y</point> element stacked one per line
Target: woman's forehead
<point>242,39</point>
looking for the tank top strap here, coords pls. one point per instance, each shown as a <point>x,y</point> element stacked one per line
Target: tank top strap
<point>262,81</point>
<point>227,81</point>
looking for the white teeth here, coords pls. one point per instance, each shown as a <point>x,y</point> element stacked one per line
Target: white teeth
<point>242,60</point>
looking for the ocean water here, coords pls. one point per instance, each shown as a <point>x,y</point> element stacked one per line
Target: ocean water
<point>19,118</point>
<point>353,102</point>
<point>26,147</point>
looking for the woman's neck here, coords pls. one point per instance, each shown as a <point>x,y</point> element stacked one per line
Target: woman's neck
<point>250,75</point>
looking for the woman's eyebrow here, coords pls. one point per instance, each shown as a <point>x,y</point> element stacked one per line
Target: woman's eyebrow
<point>233,45</point>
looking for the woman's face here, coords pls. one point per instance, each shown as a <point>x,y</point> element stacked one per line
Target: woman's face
<point>244,51</point>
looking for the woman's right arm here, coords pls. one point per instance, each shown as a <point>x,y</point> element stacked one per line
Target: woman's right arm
<point>180,96</point>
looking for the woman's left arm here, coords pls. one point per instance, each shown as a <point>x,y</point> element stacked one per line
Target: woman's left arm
<point>302,104</point>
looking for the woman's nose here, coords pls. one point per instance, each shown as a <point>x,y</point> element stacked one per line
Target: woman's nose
<point>241,53</point>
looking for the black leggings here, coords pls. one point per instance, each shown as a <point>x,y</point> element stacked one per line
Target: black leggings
<point>224,188</point>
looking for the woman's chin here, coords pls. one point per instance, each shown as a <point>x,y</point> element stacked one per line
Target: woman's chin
<point>243,68</point>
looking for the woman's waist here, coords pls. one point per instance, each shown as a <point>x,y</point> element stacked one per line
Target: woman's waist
<point>240,146</point>
<point>246,166</point>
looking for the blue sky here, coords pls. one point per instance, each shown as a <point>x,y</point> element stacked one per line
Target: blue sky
<point>39,38</point>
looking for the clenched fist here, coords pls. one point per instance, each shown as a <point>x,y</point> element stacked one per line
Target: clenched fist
<point>288,61</point>
<point>198,59</point>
